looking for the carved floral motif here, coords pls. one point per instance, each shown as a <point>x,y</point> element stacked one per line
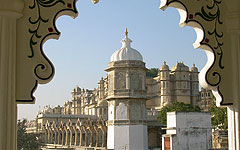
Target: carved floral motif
<point>37,26</point>
<point>207,18</point>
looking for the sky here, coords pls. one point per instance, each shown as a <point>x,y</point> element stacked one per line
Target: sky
<point>87,42</point>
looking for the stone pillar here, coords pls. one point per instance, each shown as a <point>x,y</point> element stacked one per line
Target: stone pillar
<point>76,136</point>
<point>103,138</point>
<point>51,136</point>
<point>91,138</point>
<point>71,137</point>
<point>127,80</point>
<point>48,136</point>
<point>67,137</point>
<point>62,143</point>
<point>86,137</point>
<point>233,129</point>
<point>45,136</point>
<point>10,11</point>
<point>97,136</point>
<point>58,138</point>
<point>80,138</point>
<point>233,111</point>
<point>55,137</point>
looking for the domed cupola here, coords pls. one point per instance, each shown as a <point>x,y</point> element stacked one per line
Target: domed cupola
<point>194,69</point>
<point>164,66</point>
<point>126,52</point>
<point>180,67</point>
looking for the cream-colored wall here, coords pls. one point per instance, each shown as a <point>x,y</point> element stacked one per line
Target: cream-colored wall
<point>168,87</point>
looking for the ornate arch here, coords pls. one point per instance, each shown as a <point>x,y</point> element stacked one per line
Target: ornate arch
<point>55,131</point>
<point>208,18</point>
<point>61,133</point>
<point>69,128</point>
<point>37,25</point>
<point>89,132</point>
<point>102,127</point>
<point>78,133</point>
<point>44,134</point>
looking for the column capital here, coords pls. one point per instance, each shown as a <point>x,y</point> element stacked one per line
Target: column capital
<point>12,8</point>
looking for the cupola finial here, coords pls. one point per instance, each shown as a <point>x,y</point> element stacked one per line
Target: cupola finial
<point>126,32</point>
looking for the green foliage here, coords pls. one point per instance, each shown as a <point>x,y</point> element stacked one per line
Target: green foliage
<point>25,141</point>
<point>219,116</point>
<point>152,72</point>
<point>176,106</point>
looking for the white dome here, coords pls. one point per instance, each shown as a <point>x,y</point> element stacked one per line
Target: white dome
<point>126,52</point>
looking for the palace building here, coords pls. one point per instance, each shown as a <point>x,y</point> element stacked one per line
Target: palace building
<point>124,104</point>
<point>178,84</point>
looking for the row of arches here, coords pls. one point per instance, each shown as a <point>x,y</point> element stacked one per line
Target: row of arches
<point>89,133</point>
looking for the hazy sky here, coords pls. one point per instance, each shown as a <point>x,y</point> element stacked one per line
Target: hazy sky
<point>86,44</point>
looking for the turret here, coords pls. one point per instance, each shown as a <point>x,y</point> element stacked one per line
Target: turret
<point>194,84</point>
<point>101,89</point>
<point>165,84</point>
<point>127,98</point>
<point>182,83</point>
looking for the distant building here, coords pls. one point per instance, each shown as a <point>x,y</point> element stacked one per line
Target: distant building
<point>176,85</point>
<point>125,103</point>
<point>206,99</point>
<point>179,84</point>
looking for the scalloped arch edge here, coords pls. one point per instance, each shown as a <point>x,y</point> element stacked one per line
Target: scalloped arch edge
<point>197,44</point>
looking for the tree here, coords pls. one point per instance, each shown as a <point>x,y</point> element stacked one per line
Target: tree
<point>26,141</point>
<point>219,116</point>
<point>176,106</point>
<point>152,72</point>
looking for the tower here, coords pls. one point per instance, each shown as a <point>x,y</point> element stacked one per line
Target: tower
<point>182,83</point>
<point>127,127</point>
<point>101,89</point>
<point>194,85</point>
<point>165,84</point>
<point>101,103</point>
<point>76,106</point>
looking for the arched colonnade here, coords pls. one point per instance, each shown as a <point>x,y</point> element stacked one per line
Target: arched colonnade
<point>88,133</point>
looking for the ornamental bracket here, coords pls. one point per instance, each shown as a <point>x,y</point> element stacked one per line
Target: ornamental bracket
<point>210,19</point>
<point>33,29</point>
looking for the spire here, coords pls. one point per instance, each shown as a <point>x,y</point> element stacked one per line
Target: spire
<point>126,41</point>
<point>126,33</point>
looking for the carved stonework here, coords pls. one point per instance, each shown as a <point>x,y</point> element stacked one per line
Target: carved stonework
<point>134,78</point>
<point>110,83</point>
<point>121,111</point>
<point>120,80</point>
<point>135,111</point>
<point>37,26</point>
<point>209,19</point>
